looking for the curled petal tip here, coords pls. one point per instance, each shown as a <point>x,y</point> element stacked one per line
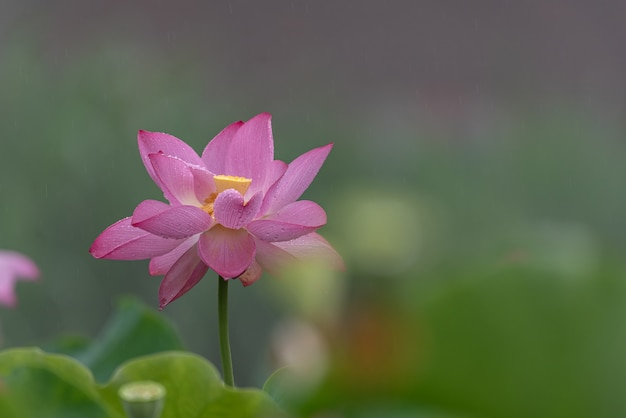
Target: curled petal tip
<point>262,115</point>
<point>251,275</point>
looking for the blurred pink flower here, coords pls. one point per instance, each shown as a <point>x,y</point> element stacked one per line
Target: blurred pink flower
<point>13,267</point>
<point>234,210</point>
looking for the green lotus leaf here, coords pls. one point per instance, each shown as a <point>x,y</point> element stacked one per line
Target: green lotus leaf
<point>38,384</point>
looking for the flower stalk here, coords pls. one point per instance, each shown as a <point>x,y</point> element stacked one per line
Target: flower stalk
<point>222,314</point>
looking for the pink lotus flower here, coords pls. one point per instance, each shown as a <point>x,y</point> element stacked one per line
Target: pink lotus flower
<point>234,210</point>
<point>13,267</point>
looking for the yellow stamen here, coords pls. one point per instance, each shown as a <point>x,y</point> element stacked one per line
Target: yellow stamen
<point>223,182</point>
<point>208,204</point>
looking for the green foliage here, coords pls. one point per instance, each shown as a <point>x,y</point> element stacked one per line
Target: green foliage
<point>520,342</point>
<point>513,340</point>
<point>36,384</point>
<point>286,388</point>
<point>134,330</point>
<point>194,388</point>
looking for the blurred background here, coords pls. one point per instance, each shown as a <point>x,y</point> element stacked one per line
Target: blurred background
<point>475,190</point>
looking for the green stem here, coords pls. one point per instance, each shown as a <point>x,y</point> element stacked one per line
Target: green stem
<point>222,313</point>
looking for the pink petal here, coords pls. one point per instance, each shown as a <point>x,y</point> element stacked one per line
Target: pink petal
<point>228,252</point>
<point>161,264</point>
<point>252,151</point>
<point>292,221</point>
<point>296,179</point>
<point>183,275</point>
<point>195,277</point>
<point>174,222</point>
<point>301,212</point>
<point>7,289</point>
<point>18,265</point>
<point>230,211</point>
<point>149,208</point>
<point>252,274</point>
<point>122,241</point>
<point>214,155</point>
<point>175,178</point>
<point>274,173</point>
<point>272,258</point>
<point>313,247</point>
<point>157,142</point>
<point>14,266</point>
<point>203,183</point>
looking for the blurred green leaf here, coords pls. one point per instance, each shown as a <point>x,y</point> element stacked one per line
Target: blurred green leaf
<point>70,344</point>
<point>520,341</point>
<point>294,393</point>
<point>194,388</point>
<point>37,384</point>
<point>509,340</point>
<point>134,330</point>
<point>285,388</point>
